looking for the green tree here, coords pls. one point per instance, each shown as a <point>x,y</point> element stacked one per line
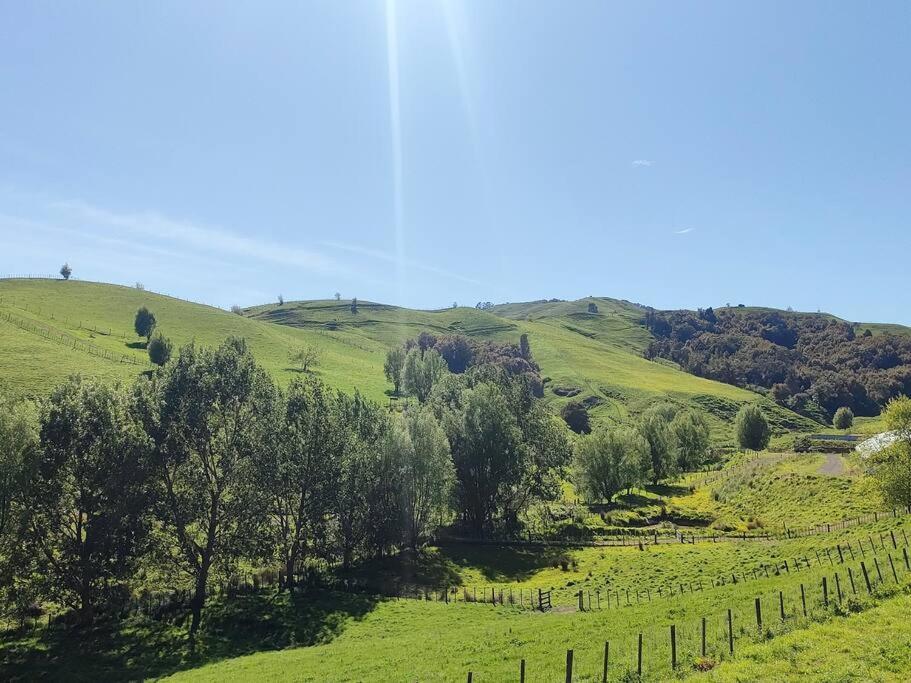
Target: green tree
<point>891,466</point>
<point>300,469</point>
<point>66,271</point>
<point>86,518</point>
<point>394,367</point>
<point>427,474</point>
<point>211,413</point>
<point>575,414</point>
<point>690,433</point>
<point>654,426</point>
<point>608,461</point>
<point>159,349</point>
<point>144,323</point>
<point>844,418</point>
<point>18,450</point>
<point>305,357</point>
<point>422,371</point>
<point>752,428</point>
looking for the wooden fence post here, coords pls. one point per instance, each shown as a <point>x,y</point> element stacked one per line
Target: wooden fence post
<point>702,649</point>
<point>673,646</point>
<point>606,658</point>
<point>469,677</point>
<point>894,573</point>
<point>803,600</point>
<point>863,568</point>
<point>825,592</point>
<point>879,572</point>
<point>838,587</point>
<point>781,604</point>
<point>522,671</point>
<point>758,615</point>
<point>905,555</point>
<point>639,658</point>
<point>851,577</point>
<point>730,632</point>
<point>569,666</point>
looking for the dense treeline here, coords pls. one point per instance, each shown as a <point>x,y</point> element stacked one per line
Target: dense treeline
<point>809,363</point>
<point>206,466</point>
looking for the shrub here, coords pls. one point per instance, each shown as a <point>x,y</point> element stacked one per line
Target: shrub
<point>844,418</point>
<point>752,428</point>
<point>66,271</point>
<point>576,417</point>
<point>144,323</point>
<point>160,350</point>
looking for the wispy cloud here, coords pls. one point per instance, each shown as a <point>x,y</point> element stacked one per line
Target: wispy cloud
<point>392,258</point>
<point>642,162</point>
<point>202,237</point>
<point>684,231</point>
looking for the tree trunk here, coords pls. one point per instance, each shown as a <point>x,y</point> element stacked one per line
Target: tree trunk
<point>289,573</point>
<point>198,601</point>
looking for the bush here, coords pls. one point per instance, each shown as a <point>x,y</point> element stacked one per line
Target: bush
<point>160,350</point>
<point>66,271</point>
<point>575,415</point>
<point>844,418</point>
<point>144,323</point>
<point>752,428</point>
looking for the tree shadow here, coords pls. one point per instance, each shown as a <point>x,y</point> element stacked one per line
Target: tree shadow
<point>504,564</point>
<point>136,345</point>
<point>140,648</point>
<point>668,490</point>
<point>426,568</point>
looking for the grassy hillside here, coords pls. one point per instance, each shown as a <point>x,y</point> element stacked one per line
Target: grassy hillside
<point>596,357</point>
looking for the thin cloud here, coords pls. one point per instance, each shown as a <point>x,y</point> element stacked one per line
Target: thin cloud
<point>204,238</point>
<point>685,231</point>
<point>405,262</point>
<point>642,162</point>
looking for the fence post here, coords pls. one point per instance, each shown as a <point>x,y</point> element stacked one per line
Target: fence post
<point>522,671</point>
<point>863,568</point>
<point>905,554</point>
<point>639,658</point>
<point>825,592</point>
<point>606,658</point>
<point>851,577</point>
<point>469,677</point>
<point>730,632</point>
<point>894,544</point>
<point>759,615</point>
<point>781,604</point>
<point>702,649</point>
<point>803,601</point>
<point>569,666</point>
<point>838,587</point>
<point>892,564</point>
<point>673,646</point>
<point>878,570</point>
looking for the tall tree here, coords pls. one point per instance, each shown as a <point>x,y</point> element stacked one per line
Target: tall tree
<point>690,434</point>
<point>66,271</point>
<point>18,449</point>
<point>215,411</point>
<point>394,366</point>
<point>87,498</point>
<point>891,466</point>
<point>421,371</point>
<point>299,472</point>
<point>427,472</point>
<point>654,426</point>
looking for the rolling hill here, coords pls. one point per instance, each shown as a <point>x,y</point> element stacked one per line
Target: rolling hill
<point>50,329</point>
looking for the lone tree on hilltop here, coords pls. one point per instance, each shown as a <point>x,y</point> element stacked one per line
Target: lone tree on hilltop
<point>844,418</point>
<point>575,415</point>
<point>354,305</point>
<point>160,349</point>
<point>144,324</point>
<point>752,428</point>
<point>338,296</point>
<point>592,307</point>
<point>66,271</point>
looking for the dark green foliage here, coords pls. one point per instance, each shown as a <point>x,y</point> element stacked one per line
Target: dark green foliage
<point>144,323</point>
<point>66,271</point>
<point>87,512</point>
<point>159,349</point>
<point>844,418</point>
<point>592,307</point>
<point>813,364</point>
<point>752,428</point>
<point>354,305</point>
<point>575,415</point>
<point>655,426</point>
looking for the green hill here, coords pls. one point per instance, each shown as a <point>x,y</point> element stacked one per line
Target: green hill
<point>50,329</point>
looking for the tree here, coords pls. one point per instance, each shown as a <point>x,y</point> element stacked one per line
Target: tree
<point>354,305</point>
<point>606,462</point>
<point>592,307</point>
<point>281,300</point>
<point>394,366</point>
<point>690,433</point>
<point>654,426</point>
<point>421,372</point>
<point>66,271</point>
<point>159,349</point>
<point>18,449</point>
<point>305,357</point>
<point>421,448</point>
<point>575,414</point>
<point>752,428</point>
<point>211,413</point>
<point>487,454</point>
<point>144,323</point>
<point>300,470</point>
<point>524,347</point>
<point>338,296</point>
<point>844,418</point>
<point>891,466</point>
<point>86,519</point>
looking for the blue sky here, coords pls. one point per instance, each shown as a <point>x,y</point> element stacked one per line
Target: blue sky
<point>420,153</point>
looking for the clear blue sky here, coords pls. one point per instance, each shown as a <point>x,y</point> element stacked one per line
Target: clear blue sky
<point>420,153</point>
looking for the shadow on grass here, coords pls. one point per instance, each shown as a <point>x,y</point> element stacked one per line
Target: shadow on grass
<point>503,564</point>
<point>426,568</point>
<point>136,345</point>
<point>668,490</point>
<point>140,648</point>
